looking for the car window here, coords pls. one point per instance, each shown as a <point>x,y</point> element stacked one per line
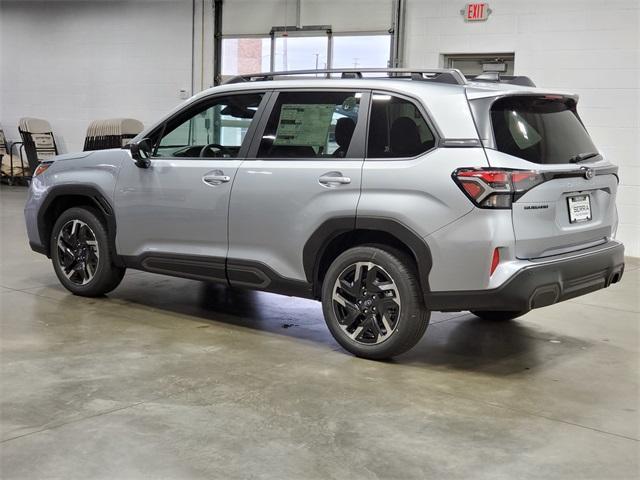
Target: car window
<point>212,129</point>
<point>540,129</point>
<point>311,125</point>
<point>397,128</point>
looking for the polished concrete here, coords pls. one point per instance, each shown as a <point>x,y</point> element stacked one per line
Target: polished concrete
<point>169,378</point>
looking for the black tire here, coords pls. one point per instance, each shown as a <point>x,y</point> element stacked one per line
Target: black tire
<point>106,276</point>
<point>498,315</point>
<point>410,320</point>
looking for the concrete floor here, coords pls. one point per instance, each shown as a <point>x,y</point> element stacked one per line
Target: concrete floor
<point>169,378</point>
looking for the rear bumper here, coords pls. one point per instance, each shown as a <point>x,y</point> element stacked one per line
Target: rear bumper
<point>541,283</point>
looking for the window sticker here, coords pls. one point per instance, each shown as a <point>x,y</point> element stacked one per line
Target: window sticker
<point>304,125</point>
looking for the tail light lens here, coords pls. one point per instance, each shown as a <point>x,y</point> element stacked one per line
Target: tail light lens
<point>40,169</point>
<point>495,188</point>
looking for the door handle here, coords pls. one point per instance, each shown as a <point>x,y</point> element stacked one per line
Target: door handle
<point>333,179</point>
<point>216,179</point>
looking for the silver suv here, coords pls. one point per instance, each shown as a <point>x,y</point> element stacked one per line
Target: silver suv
<point>386,195</point>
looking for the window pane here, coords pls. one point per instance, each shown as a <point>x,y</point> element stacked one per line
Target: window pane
<point>540,130</point>
<point>311,125</point>
<point>397,129</point>
<point>211,130</point>
<point>301,53</point>
<point>245,55</point>
<point>363,51</point>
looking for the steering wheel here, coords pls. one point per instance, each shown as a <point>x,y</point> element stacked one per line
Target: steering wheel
<point>211,146</point>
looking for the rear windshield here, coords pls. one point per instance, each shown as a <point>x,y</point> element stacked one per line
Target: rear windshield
<point>540,129</point>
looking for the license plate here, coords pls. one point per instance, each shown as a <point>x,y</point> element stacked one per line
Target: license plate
<point>579,208</point>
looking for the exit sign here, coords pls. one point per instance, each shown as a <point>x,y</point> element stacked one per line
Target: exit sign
<point>476,12</point>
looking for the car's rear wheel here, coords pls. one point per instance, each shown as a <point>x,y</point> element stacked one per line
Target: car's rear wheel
<point>498,315</point>
<point>372,302</point>
<point>81,255</point>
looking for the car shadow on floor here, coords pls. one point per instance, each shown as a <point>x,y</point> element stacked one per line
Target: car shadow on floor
<point>460,341</point>
<point>492,347</point>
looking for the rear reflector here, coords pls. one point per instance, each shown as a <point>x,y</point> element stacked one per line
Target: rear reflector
<point>495,261</point>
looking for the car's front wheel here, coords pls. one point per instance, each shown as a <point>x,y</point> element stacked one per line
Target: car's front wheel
<point>372,302</point>
<point>81,255</point>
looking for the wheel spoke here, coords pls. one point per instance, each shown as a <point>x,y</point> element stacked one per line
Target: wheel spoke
<point>352,311</point>
<point>350,288</point>
<point>89,269</point>
<point>357,279</point>
<point>374,329</point>
<point>356,333</point>
<point>386,324</point>
<point>69,270</point>
<point>64,247</point>
<point>74,230</point>
<point>372,274</point>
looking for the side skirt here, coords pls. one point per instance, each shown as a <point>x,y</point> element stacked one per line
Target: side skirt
<point>233,272</point>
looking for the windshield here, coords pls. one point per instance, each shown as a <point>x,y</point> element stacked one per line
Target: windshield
<point>540,129</point>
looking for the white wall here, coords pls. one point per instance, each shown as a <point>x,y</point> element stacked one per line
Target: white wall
<point>72,62</point>
<point>258,16</point>
<point>591,47</point>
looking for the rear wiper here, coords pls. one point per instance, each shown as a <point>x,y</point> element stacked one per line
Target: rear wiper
<point>583,156</point>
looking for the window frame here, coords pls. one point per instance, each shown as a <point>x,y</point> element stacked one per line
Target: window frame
<point>437,135</point>
<point>209,101</point>
<point>356,147</point>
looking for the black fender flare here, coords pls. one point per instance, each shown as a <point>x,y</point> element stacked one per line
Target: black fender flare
<point>316,245</point>
<point>89,192</point>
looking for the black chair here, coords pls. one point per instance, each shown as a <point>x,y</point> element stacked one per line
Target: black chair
<point>38,140</point>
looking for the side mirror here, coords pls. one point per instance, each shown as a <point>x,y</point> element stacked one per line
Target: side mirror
<point>141,152</point>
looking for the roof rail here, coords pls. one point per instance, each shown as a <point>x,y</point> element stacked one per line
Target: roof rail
<point>441,75</point>
<point>495,77</point>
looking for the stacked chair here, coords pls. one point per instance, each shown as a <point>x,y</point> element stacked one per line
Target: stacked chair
<point>111,133</point>
<point>13,168</point>
<point>38,140</point>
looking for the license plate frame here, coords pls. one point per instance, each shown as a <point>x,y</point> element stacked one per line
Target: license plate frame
<point>575,206</point>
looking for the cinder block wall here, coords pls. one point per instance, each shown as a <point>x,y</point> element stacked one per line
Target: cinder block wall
<point>587,46</point>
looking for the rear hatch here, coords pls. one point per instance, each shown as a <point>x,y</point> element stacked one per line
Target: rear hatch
<point>570,204</point>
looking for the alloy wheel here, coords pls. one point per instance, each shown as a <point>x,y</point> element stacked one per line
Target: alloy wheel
<point>366,302</point>
<point>78,252</point>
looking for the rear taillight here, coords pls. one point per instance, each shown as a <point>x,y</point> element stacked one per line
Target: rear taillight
<point>40,169</point>
<point>495,188</point>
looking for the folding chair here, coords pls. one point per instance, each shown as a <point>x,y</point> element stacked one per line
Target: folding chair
<point>10,171</point>
<point>39,142</point>
<point>111,133</point>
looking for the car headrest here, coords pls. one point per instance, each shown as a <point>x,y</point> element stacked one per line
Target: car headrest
<point>405,137</point>
<point>344,131</point>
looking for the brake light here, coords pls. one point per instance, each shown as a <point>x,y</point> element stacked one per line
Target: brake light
<point>495,188</point>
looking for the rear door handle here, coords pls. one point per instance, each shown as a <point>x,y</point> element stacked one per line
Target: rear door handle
<point>333,179</point>
<point>216,179</point>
